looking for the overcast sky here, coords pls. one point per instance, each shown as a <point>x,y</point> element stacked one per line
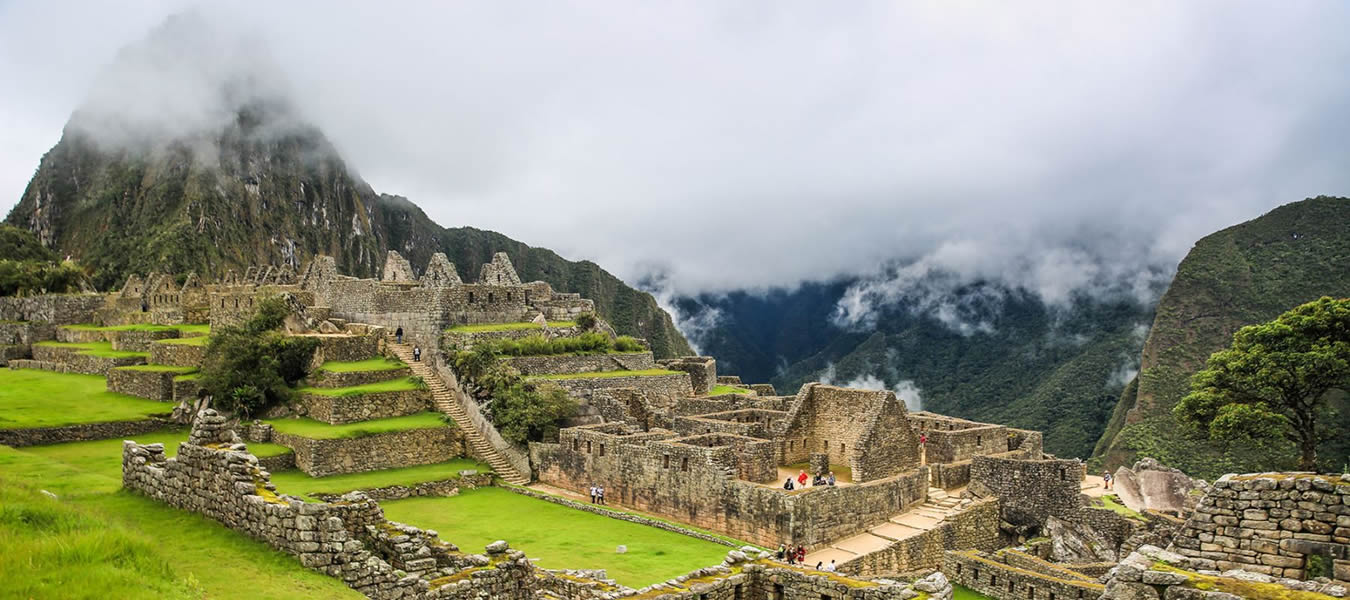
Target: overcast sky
<point>750,144</point>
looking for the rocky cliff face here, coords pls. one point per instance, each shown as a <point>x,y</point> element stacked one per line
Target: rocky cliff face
<point>1246,274</point>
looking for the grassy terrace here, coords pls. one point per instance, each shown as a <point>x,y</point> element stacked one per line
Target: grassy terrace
<point>98,542</point>
<point>187,341</point>
<point>401,384</point>
<point>604,374</point>
<point>371,364</point>
<point>188,377</point>
<point>559,537</point>
<point>99,349</point>
<point>508,327</point>
<point>158,369</point>
<point>319,430</point>
<point>720,389</point>
<point>195,329</point>
<point>93,456</point>
<point>32,398</point>
<point>297,483</point>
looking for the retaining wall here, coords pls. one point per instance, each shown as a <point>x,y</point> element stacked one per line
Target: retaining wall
<point>151,385</point>
<point>39,436</point>
<point>331,379</point>
<point>177,355</point>
<point>987,575</point>
<point>543,365</point>
<point>319,457</point>
<point>340,410</point>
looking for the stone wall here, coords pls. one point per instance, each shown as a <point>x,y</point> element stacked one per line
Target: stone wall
<point>702,371</point>
<point>963,444</point>
<point>347,347</point>
<point>974,528</point>
<point>340,410</point>
<point>185,390</point>
<point>151,385</point>
<point>72,360</point>
<point>442,487</point>
<point>990,575</point>
<point>330,379</point>
<point>1276,524</point>
<point>544,365</point>
<point>656,472</point>
<point>18,337</point>
<point>662,391</point>
<point>950,476</point>
<point>40,436</point>
<point>1155,573</point>
<point>867,430</point>
<point>177,355</point>
<point>321,457</point>
<point>1030,490</point>
<point>55,309</point>
<point>132,340</point>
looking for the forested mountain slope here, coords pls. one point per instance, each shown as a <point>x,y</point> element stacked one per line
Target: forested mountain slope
<point>1246,274</point>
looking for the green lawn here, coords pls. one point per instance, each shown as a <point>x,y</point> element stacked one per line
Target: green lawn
<point>379,363</point>
<point>33,398</point>
<point>605,374</point>
<point>97,542</point>
<point>960,592</point>
<point>187,341</point>
<point>1112,503</point>
<point>202,328</point>
<point>319,430</point>
<point>720,389</point>
<point>508,327</point>
<point>99,349</point>
<point>400,384</point>
<point>158,369</point>
<point>103,457</point>
<point>297,483</point>
<point>559,537</point>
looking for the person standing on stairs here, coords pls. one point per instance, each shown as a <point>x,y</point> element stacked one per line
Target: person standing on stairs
<point>417,354</point>
<point>398,335</point>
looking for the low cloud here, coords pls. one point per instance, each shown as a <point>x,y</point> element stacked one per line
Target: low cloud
<point>905,389</point>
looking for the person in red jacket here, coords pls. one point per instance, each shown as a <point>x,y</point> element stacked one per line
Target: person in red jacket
<point>801,479</point>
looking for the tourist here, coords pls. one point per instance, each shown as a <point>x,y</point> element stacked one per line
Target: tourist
<point>782,551</point>
<point>787,485</point>
<point>600,494</point>
<point>1106,479</point>
<point>398,335</point>
<point>830,480</point>
<point>417,354</point>
<point>818,480</point>
<point>801,554</point>
<point>831,567</point>
<point>594,493</point>
<point>801,478</point>
<point>818,563</point>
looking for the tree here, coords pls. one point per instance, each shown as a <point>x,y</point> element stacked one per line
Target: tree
<point>525,413</point>
<point>1275,378</point>
<point>251,368</point>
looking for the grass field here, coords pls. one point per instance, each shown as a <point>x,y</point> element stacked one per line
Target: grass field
<point>99,349</point>
<point>720,389</point>
<point>32,398</point>
<point>319,430</point>
<point>605,374</point>
<point>508,327</point>
<point>965,593</point>
<point>400,384</point>
<point>559,537</point>
<point>97,542</point>
<point>378,363</point>
<point>297,483</point>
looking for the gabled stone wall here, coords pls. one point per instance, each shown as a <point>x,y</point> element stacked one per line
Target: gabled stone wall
<point>54,309</point>
<point>1030,490</point>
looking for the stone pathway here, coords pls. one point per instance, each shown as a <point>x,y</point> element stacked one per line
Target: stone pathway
<point>448,402</point>
<point>1095,487</point>
<point>921,518</point>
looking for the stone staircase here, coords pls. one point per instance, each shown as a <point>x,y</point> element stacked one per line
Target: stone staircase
<point>447,401</point>
<point>914,521</point>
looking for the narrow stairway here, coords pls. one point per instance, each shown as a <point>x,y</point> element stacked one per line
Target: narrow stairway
<point>912,522</point>
<point>447,401</point>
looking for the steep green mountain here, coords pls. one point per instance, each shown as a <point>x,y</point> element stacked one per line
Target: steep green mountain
<point>1058,370</point>
<point>268,189</point>
<point>1249,273</point>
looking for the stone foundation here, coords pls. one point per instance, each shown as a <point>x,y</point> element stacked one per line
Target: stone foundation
<point>151,385</point>
<point>544,365</point>
<point>318,458</point>
<point>73,361</point>
<point>329,379</point>
<point>39,436</point>
<point>177,355</point>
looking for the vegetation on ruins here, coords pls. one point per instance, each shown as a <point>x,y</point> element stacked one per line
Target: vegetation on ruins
<point>401,384</point>
<point>250,368</point>
<point>1275,378</point>
<point>297,483</point>
<point>590,342</point>
<point>587,321</point>
<point>523,411</point>
<point>517,326</point>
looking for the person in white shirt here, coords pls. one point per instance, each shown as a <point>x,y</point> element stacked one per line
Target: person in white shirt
<point>830,567</point>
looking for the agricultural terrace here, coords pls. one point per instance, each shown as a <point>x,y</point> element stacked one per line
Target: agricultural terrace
<point>31,398</point>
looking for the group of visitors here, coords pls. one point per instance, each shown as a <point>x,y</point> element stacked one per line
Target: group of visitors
<point>797,556</point>
<point>801,479</point>
<point>597,494</point>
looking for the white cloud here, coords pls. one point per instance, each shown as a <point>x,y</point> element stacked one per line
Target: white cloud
<point>905,389</point>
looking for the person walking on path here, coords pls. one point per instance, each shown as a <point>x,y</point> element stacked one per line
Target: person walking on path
<point>417,354</point>
<point>1106,479</point>
<point>595,493</point>
<point>600,494</point>
<point>923,448</point>
<point>398,335</point>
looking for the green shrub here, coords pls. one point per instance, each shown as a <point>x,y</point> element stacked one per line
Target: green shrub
<point>525,413</point>
<point>628,343</point>
<point>251,368</point>
<point>586,321</point>
<point>591,342</point>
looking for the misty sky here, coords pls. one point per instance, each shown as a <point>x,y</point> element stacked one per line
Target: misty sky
<point>747,144</point>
